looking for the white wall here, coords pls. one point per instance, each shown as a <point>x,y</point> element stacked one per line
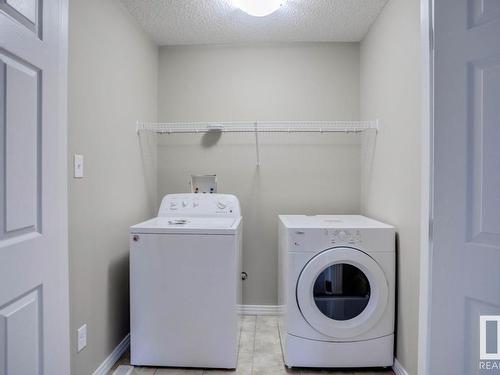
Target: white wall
<point>112,82</point>
<point>390,91</point>
<point>299,173</point>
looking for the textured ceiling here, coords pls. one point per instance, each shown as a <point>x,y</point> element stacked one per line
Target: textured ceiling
<point>174,22</point>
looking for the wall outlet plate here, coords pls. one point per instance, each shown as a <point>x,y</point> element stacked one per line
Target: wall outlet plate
<point>81,338</point>
<point>78,170</point>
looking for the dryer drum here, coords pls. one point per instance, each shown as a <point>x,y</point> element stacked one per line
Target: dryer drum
<point>341,291</point>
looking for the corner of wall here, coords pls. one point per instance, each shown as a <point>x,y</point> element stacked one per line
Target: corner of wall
<point>113,82</point>
<point>390,72</point>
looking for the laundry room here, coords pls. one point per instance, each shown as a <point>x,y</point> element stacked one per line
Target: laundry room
<point>314,109</point>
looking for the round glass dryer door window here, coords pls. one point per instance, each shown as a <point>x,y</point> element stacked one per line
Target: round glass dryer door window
<point>341,291</point>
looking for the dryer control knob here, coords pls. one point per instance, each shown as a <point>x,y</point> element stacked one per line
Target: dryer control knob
<point>342,235</point>
<point>221,205</point>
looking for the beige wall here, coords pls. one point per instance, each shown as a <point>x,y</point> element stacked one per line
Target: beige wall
<point>390,91</point>
<point>299,173</point>
<point>113,77</point>
<point>112,83</point>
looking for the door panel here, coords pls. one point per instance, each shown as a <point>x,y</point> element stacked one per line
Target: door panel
<point>20,334</point>
<point>466,179</point>
<point>34,318</point>
<point>27,8</point>
<point>20,84</point>
<point>484,155</point>
<point>26,12</point>
<point>482,11</point>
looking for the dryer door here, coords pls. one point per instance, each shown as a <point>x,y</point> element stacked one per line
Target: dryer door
<point>342,292</point>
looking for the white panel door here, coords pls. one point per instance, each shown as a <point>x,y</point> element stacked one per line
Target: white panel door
<point>34,336</point>
<point>466,192</point>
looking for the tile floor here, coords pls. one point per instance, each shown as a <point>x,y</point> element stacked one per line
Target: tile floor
<point>259,354</point>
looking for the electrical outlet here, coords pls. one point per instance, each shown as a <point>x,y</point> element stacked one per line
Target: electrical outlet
<point>82,338</point>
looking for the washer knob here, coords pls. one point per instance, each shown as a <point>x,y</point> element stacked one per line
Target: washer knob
<point>221,205</point>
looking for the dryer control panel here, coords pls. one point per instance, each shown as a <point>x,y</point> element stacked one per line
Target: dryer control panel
<point>343,236</point>
<point>314,239</point>
<point>200,205</point>
<point>316,233</point>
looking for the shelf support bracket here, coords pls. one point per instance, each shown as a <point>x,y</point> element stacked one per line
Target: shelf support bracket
<point>257,153</point>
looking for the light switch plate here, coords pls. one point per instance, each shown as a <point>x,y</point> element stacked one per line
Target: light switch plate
<point>82,338</point>
<point>78,159</point>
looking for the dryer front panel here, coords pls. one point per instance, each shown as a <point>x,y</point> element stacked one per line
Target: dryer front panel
<point>342,293</point>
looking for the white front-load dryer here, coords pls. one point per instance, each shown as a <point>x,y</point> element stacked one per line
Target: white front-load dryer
<point>337,291</point>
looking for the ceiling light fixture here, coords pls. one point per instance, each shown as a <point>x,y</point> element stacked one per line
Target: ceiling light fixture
<point>259,8</point>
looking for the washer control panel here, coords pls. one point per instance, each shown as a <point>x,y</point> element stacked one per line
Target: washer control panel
<point>200,205</point>
<point>343,236</point>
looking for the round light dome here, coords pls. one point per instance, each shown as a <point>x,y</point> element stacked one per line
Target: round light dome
<point>258,8</point>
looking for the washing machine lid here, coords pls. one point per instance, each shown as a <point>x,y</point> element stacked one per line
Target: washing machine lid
<point>342,292</point>
<point>188,225</point>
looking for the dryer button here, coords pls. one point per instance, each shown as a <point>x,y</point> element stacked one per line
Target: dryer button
<point>297,243</point>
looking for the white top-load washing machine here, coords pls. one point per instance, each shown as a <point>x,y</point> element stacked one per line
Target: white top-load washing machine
<point>337,287</point>
<point>185,283</point>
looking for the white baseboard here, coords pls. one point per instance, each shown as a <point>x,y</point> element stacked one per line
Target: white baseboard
<point>398,368</point>
<point>115,355</point>
<point>260,310</point>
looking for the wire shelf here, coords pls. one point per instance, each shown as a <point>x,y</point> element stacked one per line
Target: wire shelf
<point>259,126</point>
